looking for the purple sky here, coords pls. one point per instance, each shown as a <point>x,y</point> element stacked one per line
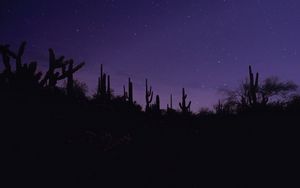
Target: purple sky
<point>202,45</point>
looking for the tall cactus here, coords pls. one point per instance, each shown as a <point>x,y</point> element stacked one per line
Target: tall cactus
<point>104,85</point>
<point>4,50</point>
<point>183,105</point>
<point>24,72</point>
<point>130,91</point>
<point>70,79</point>
<point>52,76</point>
<point>128,96</point>
<point>148,96</point>
<point>18,57</point>
<point>157,103</point>
<point>125,94</point>
<point>108,91</point>
<point>170,106</point>
<point>253,88</point>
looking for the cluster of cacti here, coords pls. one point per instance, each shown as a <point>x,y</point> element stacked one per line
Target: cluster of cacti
<point>155,107</point>
<point>219,108</point>
<point>60,69</point>
<point>103,89</point>
<point>27,72</point>
<point>185,108</point>
<point>148,96</point>
<point>128,96</point>
<point>67,70</point>
<point>24,72</point>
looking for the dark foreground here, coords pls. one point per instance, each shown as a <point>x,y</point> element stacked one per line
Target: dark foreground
<point>57,137</point>
<point>53,147</point>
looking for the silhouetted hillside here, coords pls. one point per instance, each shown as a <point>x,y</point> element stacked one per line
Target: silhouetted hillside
<point>56,136</point>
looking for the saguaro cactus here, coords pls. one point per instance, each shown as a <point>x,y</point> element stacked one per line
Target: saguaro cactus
<point>18,57</point>
<point>125,94</point>
<point>52,77</point>
<point>253,88</point>
<point>24,72</point>
<point>130,91</point>
<point>183,105</point>
<point>157,103</point>
<point>4,50</point>
<point>108,91</point>
<point>104,85</point>
<point>128,96</point>
<point>148,96</point>
<point>170,106</point>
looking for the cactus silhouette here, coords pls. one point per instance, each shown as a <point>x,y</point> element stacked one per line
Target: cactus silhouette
<point>18,57</point>
<point>4,49</point>
<point>25,73</point>
<point>108,88</point>
<point>130,91</point>
<point>69,75</point>
<point>170,106</point>
<point>219,108</point>
<point>185,108</point>
<point>157,103</point>
<point>51,78</point>
<point>125,94</point>
<point>148,96</point>
<point>128,96</point>
<point>104,85</point>
<point>6,53</point>
<point>253,88</point>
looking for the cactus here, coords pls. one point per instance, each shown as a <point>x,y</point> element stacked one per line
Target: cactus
<point>4,50</point>
<point>253,88</point>
<point>128,96</point>
<point>18,57</point>
<point>184,107</point>
<point>157,103</point>
<point>70,79</point>
<point>219,108</point>
<point>104,85</point>
<point>52,77</point>
<point>69,74</point>
<point>148,96</point>
<point>24,72</point>
<point>125,94</point>
<point>170,107</point>
<point>108,88</point>
<point>130,92</point>
<point>26,75</point>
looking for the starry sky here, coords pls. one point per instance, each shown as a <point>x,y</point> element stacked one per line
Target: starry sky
<point>202,45</point>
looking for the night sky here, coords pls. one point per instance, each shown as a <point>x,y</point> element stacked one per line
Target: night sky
<point>202,45</point>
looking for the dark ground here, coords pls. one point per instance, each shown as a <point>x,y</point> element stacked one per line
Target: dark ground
<point>67,145</point>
